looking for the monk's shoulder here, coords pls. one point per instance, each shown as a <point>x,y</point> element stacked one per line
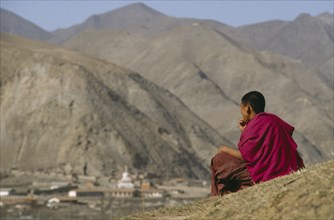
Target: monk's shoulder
<point>267,120</point>
<point>265,117</point>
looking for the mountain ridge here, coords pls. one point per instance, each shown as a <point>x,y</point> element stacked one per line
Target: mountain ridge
<point>207,65</point>
<point>14,24</point>
<point>93,116</point>
<point>200,70</point>
<point>306,38</point>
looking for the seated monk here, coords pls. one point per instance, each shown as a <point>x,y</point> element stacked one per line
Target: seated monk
<point>266,150</point>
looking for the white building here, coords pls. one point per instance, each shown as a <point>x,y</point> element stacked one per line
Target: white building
<point>125,182</point>
<point>6,191</point>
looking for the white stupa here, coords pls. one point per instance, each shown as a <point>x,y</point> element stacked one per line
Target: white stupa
<point>126,181</point>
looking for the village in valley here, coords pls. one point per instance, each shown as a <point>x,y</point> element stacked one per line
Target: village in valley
<point>82,196</point>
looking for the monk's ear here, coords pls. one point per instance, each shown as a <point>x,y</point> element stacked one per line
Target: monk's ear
<point>249,109</point>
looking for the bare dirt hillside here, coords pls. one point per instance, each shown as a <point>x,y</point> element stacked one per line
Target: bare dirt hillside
<point>209,65</point>
<point>210,72</point>
<point>307,38</point>
<point>308,194</point>
<point>65,112</point>
<point>134,18</point>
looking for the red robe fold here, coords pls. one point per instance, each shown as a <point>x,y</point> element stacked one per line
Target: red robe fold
<point>268,149</point>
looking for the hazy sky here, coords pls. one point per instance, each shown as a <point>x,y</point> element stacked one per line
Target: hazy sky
<point>51,15</point>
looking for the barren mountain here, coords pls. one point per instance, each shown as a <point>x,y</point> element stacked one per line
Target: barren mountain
<point>210,72</point>
<point>63,111</point>
<point>14,24</point>
<point>137,18</point>
<point>328,18</point>
<point>309,39</point>
<point>116,19</point>
<point>208,66</point>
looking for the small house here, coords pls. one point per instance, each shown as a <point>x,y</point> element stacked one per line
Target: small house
<point>6,191</point>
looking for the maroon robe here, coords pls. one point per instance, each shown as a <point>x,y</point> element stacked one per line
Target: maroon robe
<point>268,149</point>
<point>228,174</point>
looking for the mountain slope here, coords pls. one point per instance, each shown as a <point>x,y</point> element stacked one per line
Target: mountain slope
<point>62,109</point>
<point>205,64</point>
<point>14,24</point>
<point>133,18</point>
<point>303,195</point>
<point>209,72</point>
<point>307,38</point>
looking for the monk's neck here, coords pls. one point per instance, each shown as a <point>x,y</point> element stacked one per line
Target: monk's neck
<point>252,115</point>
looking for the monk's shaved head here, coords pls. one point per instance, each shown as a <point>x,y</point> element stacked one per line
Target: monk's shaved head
<point>255,99</point>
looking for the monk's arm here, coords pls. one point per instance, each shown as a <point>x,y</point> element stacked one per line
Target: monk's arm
<point>233,152</point>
